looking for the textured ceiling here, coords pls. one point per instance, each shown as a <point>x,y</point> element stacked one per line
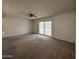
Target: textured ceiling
<point>41,8</point>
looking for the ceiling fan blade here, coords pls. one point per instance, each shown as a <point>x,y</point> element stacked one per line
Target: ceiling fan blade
<point>30,14</point>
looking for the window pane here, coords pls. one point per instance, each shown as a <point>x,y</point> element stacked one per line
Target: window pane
<point>48,28</point>
<point>41,27</point>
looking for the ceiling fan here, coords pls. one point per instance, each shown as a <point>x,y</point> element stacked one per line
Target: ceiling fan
<point>30,14</point>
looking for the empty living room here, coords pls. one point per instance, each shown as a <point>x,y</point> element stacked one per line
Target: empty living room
<point>38,29</point>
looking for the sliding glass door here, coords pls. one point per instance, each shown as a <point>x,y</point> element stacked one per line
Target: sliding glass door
<point>45,27</point>
<point>41,27</point>
<point>48,28</point>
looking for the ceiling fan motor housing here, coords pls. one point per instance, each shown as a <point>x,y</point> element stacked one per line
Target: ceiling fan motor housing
<point>31,15</point>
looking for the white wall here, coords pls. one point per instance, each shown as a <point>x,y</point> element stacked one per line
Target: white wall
<point>15,26</point>
<point>63,26</point>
